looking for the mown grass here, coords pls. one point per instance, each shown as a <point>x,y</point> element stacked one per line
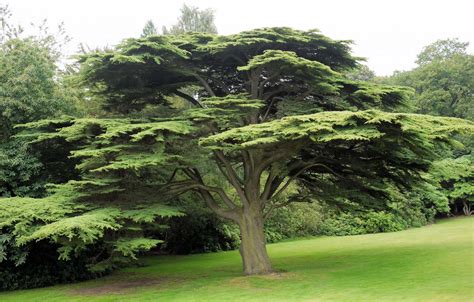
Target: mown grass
<point>433,263</point>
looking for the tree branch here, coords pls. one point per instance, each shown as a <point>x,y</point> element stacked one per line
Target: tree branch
<point>230,175</point>
<point>292,178</point>
<point>270,106</point>
<point>179,187</point>
<point>204,83</point>
<point>211,203</point>
<point>275,206</point>
<point>270,94</point>
<point>188,98</point>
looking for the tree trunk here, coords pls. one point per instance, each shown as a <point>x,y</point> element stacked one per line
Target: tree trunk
<point>466,208</point>
<point>252,247</point>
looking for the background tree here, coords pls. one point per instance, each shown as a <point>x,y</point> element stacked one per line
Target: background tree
<point>442,50</point>
<point>455,177</point>
<point>361,73</point>
<point>443,84</point>
<point>442,87</point>
<point>192,19</point>
<point>32,87</point>
<point>29,91</point>
<point>149,29</point>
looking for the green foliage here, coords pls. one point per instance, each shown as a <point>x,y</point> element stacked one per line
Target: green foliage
<point>320,78</point>
<point>81,212</point>
<point>338,126</point>
<point>149,29</point>
<point>344,224</point>
<point>294,220</point>
<point>42,268</point>
<point>76,227</point>
<point>29,91</point>
<point>443,82</point>
<point>455,178</point>
<point>27,63</point>
<point>199,231</point>
<point>192,19</point>
<point>442,50</point>
<point>20,170</point>
<point>130,247</point>
<point>335,54</point>
<point>361,73</point>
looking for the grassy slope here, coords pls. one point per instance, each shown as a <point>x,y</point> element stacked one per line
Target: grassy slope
<point>433,263</point>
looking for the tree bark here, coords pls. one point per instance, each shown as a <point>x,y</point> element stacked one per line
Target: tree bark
<point>466,208</point>
<point>252,248</point>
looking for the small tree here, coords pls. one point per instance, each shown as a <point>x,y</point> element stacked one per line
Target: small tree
<point>274,109</point>
<point>192,19</point>
<point>149,29</point>
<point>29,91</point>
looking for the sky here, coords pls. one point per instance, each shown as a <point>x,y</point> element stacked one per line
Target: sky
<point>389,33</point>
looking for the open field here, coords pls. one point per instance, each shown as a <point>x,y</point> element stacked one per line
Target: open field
<point>433,263</point>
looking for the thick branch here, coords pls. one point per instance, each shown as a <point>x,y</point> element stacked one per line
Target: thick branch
<point>285,150</point>
<point>254,82</point>
<point>211,203</point>
<point>204,83</point>
<point>230,174</point>
<point>204,191</point>
<point>268,186</point>
<point>221,193</point>
<point>188,98</point>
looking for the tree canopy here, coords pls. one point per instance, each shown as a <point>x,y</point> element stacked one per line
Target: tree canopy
<point>442,50</point>
<point>443,81</point>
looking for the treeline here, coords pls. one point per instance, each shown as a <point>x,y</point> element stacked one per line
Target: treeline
<point>33,88</point>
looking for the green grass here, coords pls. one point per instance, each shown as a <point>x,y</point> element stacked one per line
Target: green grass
<point>433,263</point>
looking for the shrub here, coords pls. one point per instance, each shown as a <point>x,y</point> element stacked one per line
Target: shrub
<point>294,220</point>
<point>41,267</point>
<point>199,231</point>
<point>362,223</point>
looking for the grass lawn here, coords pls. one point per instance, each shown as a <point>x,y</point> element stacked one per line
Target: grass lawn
<point>433,263</point>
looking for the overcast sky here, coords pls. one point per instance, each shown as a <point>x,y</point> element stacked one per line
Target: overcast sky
<point>389,33</point>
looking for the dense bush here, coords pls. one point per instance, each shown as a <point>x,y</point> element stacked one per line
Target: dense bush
<point>363,223</point>
<point>294,220</point>
<point>199,231</point>
<point>41,267</point>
